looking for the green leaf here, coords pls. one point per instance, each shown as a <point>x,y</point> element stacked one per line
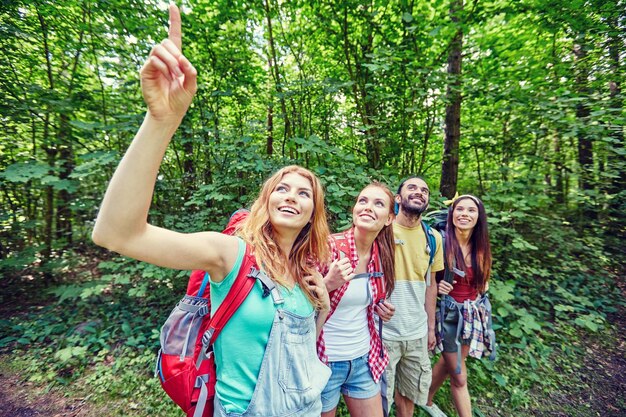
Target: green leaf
<point>122,279</point>
<point>588,321</point>
<point>23,172</point>
<point>70,352</point>
<point>502,291</point>
<point>529,324</point>
<point>5,341</point>
<point>434,32</point>
<point>500,379</point>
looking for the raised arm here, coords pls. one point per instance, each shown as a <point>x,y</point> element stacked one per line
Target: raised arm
<point>168,83</point>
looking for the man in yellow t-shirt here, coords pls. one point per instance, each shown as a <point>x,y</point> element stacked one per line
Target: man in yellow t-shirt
<point>410,333</point>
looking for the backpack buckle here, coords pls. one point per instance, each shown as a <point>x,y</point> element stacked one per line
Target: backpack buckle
<point>458,272</point>
<point>206,337</point>
<point>201,380</point>
<point>266,283</point>
<point>254,273</point>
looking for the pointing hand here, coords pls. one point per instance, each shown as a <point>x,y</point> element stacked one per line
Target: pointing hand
<point>168,80</point>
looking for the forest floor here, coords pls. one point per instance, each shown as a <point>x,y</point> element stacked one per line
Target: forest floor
<point>26,399</point>
<point>596,388</point>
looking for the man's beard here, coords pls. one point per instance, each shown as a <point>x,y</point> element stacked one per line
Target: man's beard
<point>413,211</point>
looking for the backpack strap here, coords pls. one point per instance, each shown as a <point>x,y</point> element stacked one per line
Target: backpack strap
<point>379,283</point>
<point>240,289</point>
<point>431,248</point>
<point>342,245</point>
<point>238,292</point>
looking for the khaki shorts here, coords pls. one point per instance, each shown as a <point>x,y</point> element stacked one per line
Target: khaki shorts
<point>409,370</point>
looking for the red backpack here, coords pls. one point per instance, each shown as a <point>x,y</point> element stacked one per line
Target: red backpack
<point>185,365</point>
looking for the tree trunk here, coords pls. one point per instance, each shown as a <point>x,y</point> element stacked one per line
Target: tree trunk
<point>65,141</point>
<point>64,230</point>
<point>450,164</point>
<point>269,147</point>
<point>51,151</point>
<point>272,62</point>
<point>585,143</point>
<point>360,76</point>
<point>558,190</point>
<point>189,166</point>
<point>616,160</point>
<point>48,212</point>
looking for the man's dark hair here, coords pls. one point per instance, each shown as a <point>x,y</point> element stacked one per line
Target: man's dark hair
<point>410,178</point>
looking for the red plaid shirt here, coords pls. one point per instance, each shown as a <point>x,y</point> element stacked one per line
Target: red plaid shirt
<point>377,361</point>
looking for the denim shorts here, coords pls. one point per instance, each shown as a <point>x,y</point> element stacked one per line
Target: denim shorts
<point>449,331</point>
<point>350,378</point>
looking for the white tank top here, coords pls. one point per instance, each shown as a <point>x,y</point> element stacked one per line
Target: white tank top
<point>346,334</point>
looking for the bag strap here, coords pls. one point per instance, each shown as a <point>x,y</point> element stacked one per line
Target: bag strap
<point>380,282</point>
<point>430,241</point>
<point>431,245</point>
<point>236,295</point>
<point>342,245</point>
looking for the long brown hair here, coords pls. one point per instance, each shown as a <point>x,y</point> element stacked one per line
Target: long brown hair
<point>479,241</point>
<point>386,242</point>
<point>310,246</point>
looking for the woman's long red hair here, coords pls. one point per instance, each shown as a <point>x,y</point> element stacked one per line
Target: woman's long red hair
<point>310,248</point>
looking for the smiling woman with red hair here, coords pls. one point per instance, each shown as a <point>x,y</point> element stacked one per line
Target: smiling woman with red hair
<point>286,232</point>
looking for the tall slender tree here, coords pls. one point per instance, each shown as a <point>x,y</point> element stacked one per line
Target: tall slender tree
<point>450,163</point>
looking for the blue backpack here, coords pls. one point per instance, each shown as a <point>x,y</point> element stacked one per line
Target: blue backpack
<point>431,248</point>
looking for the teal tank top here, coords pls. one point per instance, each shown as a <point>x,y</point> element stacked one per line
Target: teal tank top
<point>239,349</point>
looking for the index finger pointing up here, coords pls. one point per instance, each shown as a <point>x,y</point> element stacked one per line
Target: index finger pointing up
<point>175,32</point>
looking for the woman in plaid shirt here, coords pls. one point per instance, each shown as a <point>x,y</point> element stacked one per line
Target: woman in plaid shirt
<point>359,279</point>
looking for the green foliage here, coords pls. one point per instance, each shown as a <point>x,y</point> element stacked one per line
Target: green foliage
<point>353,91</point>
<point>102,332</point>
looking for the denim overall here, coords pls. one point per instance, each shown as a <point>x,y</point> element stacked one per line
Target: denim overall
<point>291,377</point>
